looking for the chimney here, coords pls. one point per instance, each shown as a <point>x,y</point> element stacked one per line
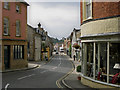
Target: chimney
<point>46,33</point>
<point>39,25</point>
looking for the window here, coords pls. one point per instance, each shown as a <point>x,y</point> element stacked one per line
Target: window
<point>87,9</point>
<point>6,5</point>
<point>17,8</point>
<point>90,59</point>
<point>17,28</point>
<point>6,26</point>
<point>0,53</point>
<point>18,51</point>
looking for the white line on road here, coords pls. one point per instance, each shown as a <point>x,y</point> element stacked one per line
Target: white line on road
<point>60,62</point>
<point>6,86</point>
<point>54,68</point>
<point>44,71</point>
<point>26,76</point>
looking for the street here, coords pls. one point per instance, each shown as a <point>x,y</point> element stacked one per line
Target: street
<point>44,76</point>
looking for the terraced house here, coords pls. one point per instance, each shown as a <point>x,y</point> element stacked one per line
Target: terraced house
<point>100,37</point>
<point>13,30</point>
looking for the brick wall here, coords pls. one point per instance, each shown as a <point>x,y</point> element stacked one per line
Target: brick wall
<point>105,9</point>
<point>13,16</point>
<point>102,9</point>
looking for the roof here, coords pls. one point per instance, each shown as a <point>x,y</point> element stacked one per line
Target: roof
<point>24,2</point>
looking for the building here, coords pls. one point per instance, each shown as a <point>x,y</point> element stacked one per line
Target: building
<point>74,40</point>
<point>34,43</point>
<point>13,38</point>
<point>44,44</point>
<point>100,37</point>
<point>31,42</point>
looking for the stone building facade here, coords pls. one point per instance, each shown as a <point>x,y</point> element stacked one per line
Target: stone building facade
<point>34,44</point>
<point>13,35</point>
<point>100,37</point>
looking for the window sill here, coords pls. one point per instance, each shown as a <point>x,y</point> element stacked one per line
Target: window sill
<point>6,35</point>
<point>100,82</point>
<point>6,9</point>
<point>87,19</point>
<point>18,59</point>
<point>18,36</point>
<point>18,12</point>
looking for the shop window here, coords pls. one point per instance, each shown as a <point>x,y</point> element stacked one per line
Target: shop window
<point>114,58</point>
<point>103,62</point>
<point>96,61</point>
<point>18,51</point>
<point>90,59</point>
<point>6,26</point>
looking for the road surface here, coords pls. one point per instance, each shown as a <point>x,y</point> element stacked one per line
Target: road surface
<point>44,76</point>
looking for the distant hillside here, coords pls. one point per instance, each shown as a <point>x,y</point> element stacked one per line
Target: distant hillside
<point>55,40</point>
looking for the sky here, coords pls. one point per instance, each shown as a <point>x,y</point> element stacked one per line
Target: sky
<point>57,18</point>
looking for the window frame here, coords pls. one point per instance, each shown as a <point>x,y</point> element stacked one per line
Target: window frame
<point>84,6</point>
<point>8,27</point>
<point>18,52</point>
<point>19,8</point>
<point>7,7</point>
<point>19,28</point>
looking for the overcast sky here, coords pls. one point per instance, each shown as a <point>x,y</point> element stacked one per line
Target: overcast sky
<point>58,18</point>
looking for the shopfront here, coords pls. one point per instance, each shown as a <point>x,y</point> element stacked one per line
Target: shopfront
<point>99,56</point>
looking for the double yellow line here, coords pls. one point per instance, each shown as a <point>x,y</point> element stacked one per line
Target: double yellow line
<point>63,77</point>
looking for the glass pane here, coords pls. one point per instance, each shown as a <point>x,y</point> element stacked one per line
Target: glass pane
<point>17,28</point>
<point>6,26</point>
<point>90,59</point>
<point>103,61</point>
<point>114,59</point>
<point>6,5</point>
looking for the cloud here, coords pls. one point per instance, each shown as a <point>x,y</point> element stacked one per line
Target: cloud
<point>58,19</point>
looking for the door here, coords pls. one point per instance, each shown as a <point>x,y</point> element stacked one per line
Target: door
<point>7,56</point>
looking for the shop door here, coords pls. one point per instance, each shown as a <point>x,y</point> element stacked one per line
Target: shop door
<point>7,57</point>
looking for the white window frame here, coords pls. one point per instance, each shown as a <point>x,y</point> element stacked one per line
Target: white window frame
<point>89,4</point>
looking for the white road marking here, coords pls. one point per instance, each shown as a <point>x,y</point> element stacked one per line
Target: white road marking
<point>26,76</point>
<point>60,62</point>
<point>54,68</point>
<point>44,71</point>
<point>6,86</point>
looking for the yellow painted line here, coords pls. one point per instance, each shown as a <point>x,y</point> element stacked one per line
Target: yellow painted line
<point>57,82</point>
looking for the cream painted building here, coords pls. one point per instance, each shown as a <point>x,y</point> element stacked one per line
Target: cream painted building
<point>100,37</point>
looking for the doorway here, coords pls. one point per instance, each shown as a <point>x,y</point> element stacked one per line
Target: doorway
<point>7,56</point>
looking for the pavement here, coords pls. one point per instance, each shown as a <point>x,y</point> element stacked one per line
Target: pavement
<point>31,65</point>
<point>71,81</point>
